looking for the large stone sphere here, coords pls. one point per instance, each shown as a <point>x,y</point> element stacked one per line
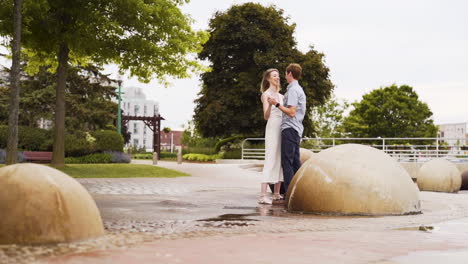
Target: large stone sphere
<point>305,154</point>
<point>439,175</point>
<point>352,179</point>
<point>464,185</point>
<point>39,204</point>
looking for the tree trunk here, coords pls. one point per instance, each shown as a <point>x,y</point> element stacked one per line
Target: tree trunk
<point>12,143</point>
<point>58,156</point>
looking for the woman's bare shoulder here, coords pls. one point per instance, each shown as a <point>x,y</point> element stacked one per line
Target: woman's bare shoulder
<point>265,94</point>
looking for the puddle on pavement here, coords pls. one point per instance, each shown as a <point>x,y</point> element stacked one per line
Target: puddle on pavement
<point>230,217</point>
<point>424,228</point>
<point>256,214</point>
<point>229,220</point>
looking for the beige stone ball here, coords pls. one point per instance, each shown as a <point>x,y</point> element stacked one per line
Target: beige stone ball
<point>439,175</point>
<point>352,179</point>
<point>305,154</point>
<point>39,204</point>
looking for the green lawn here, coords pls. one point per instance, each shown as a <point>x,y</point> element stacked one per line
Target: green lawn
<point>119,171</point>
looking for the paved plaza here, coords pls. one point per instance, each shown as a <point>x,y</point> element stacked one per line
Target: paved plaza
<point>213,217</point>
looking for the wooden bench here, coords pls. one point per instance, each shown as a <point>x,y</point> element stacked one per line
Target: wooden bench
<point>38,156</point>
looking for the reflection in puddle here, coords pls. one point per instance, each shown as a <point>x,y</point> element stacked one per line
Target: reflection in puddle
<point>230,217</point>
<point>229,220</point>
<point>424,228</point>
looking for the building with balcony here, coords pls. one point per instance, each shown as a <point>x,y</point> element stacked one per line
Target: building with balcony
<point>135,103</point>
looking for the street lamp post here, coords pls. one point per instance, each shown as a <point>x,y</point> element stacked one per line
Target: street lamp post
<point>119,110</point>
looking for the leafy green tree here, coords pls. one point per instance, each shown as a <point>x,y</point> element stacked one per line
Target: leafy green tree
<point>244,41</point>
<point>393,111</point>
<point>149,38</point>
<point>89,99</point>
<point>328,118</point>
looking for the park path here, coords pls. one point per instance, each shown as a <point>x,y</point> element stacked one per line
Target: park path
<point>212,217</point>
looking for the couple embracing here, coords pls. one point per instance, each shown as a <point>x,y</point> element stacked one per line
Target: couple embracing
<point>283,131</point>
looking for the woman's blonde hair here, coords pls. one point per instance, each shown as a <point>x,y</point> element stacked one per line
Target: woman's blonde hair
<point>265,83</point>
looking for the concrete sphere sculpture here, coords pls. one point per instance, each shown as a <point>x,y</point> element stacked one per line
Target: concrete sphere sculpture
<point>352,179</point>
<point>39,204</point>
<point>439,175</point>
<point>464,185</point>
<point>305,154</point>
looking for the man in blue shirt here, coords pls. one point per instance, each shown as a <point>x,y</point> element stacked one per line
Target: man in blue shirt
<point>291,126</point>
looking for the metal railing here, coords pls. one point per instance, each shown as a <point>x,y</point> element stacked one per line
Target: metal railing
<point>402,149</point>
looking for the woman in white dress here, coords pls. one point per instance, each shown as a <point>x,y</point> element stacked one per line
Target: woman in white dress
<point>272,172</point>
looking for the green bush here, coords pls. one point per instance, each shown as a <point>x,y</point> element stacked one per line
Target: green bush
<point>233,154</point>
<point>226,141</point>
<point>164,155</point>
<point>168,155</point>
<point>142,156</point>
<point>91,158</point>
<point>108,140</point>
<point>200,150</point>
<point>29,138</point>
<point>200,157</point>
<point>76,145</point>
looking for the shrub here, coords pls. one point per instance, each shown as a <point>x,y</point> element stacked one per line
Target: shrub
<point>226,141</point>
<point>142,156</point>
<point>200,157</point>
<point>76,145</point>
<point>232,154</point>
<point>108,140</point>
<point>200,150</point>
<point>168,155</point>
<point>118,157</point>
<point>29,138</point>
<point>164,155</point>
<point>91,158</point>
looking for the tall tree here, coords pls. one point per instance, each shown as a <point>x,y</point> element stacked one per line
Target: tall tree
<point>149,38</point>
<point>393,111</point>
<point>244,41</point>
<point>89,98</point>
<point>328,118</point>
<point>12,142</point>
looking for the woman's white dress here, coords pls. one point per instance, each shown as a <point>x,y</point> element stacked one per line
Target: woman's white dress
<point>272,171</point>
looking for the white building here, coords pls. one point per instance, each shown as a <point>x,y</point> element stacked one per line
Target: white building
<point>134,103</point>
<point>453,134</point>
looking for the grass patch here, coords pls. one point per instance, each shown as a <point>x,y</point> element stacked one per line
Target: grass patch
<point>119,171</point>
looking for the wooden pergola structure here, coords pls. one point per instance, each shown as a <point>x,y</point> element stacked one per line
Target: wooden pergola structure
<point>154,123</point>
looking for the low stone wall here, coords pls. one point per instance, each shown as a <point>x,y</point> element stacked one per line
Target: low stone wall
<point>413,167</point>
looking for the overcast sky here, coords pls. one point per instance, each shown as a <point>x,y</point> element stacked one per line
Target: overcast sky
<point>367,44</point>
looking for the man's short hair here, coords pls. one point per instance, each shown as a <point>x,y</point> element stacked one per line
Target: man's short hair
<point>295,69</point>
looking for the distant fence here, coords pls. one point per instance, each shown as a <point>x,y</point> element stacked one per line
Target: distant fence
<point>402,149</point>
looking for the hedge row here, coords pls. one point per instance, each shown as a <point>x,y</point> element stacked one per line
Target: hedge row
<point>106,157</point>
<point>200,157</point>
<point>76,144</point>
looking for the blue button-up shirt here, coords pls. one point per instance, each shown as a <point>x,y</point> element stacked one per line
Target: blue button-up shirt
<point>294,96</point>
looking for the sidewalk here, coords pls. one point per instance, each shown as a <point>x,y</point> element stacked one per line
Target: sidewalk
<point>444,246</point>
<point>213,217</point>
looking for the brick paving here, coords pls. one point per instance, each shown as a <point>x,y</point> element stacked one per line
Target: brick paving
<point>213,217</point>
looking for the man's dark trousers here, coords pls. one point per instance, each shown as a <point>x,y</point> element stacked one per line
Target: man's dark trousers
<point>290,157</point>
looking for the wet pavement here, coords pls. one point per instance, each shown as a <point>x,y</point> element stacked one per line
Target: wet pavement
<point>213,217</point>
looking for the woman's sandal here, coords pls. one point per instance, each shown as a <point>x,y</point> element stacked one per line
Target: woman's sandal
<point>264,200</point>
<point>277,197</point>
